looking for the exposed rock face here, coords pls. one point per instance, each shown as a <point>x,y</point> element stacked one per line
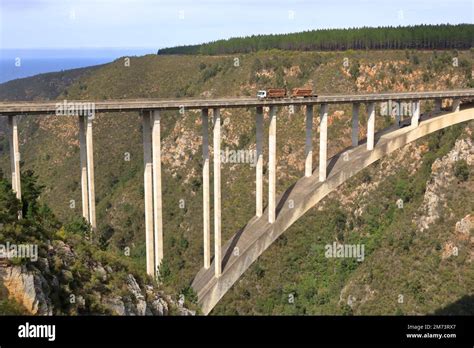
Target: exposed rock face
<point>442,175</point>
<point>464,226</point>
<point>463,232</point>
<point>135,290</point>
<point>148,302</point>
<point>29,288</point>
<point>34,286</point>
<point>115,305</point>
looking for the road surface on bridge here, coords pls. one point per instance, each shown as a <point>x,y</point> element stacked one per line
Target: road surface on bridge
<point>124,105</point>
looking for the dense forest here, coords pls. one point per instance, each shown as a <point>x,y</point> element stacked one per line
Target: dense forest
<point>409,37</point>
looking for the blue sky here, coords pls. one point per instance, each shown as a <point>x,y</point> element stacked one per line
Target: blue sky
<point>152,24</point>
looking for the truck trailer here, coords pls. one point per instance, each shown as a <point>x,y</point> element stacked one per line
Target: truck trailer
<point>273,93</point>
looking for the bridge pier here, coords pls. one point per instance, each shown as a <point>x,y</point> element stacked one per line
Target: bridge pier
<point>272,165</point>
<point>84,177</point>
<point>259,164</point>
<point>371,126</point>
<point>86,150</point>
<point>456,105</point>
<point>217,194</point>
<point>148,188</point>
<point>309,141</point>
<point>205,188</point>
<point>157,192</point>
<point>15,156</point>
<point>415,118</point>
<point>90,171</point>
<point>398,114</point>
<point>323,140</point>
<point>355,124</point>
<point>437,106</point>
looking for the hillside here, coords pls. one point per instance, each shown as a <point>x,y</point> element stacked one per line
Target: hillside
<point>49,147</point>
<point>410,251</point>
<point>40,87</point>
<point>66,274</point>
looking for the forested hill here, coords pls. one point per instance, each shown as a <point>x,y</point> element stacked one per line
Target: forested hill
<point>443,36</point>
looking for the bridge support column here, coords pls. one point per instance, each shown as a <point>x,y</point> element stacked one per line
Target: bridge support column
<point>148,187</point>
<point>84,179</point>
<point>217,193</point>
<point>90,171</point>
<point>157,192</point>
<point>272,165</point>
<point>371,126</point>
<point>205,188</point>
<point>323,142</point>
<point>355,124</point>
<point>398,114</point>
<point>415,118</point>
<point>15,156</point>
<point>456,105</point>
<point>309,141</point>
<point>437,106</point>
<point>259,165</point>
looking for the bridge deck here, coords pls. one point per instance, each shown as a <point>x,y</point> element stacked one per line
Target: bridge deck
<point>258,234</point>
<point>50,107</point>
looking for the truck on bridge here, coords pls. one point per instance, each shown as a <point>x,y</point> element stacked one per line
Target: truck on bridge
<point>302,92</point>
<point>274,93</point>
<point>271,93</point>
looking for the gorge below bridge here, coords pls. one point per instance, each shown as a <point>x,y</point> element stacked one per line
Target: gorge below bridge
<point>221,271</point>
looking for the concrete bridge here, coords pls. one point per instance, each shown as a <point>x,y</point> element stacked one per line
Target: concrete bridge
<point>219,273</point>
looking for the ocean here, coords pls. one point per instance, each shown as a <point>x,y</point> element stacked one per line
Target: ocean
<point>19,63</point>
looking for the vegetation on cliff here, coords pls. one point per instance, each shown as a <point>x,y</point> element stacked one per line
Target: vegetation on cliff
<point>70,274</point>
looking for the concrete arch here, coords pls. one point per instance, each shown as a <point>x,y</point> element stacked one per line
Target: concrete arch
<point>250,242</point>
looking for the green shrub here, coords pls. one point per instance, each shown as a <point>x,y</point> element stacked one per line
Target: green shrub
<point>461,170</point>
